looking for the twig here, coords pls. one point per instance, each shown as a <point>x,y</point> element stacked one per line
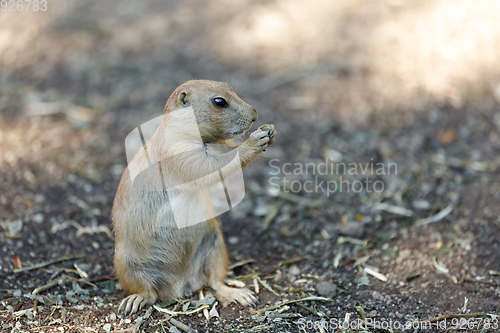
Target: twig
<point>435,218</point>
<point>35,306</point>
<point>374,273</point>
<point>20,313</point>
<point>51,284</point>
<point>133,328</point>
<point>182,326</point>
<point>352,259</point>
<point>176,313</point>
<point>267,286</point>
<point>355,241</point>
<point>393,209</point>
<point>82,282</point>
<point>257,328</point>
<point>101,278</point>
<point>50,262</point>
<point>205,311</point>
<point>306,299</point>
<point>292,261</point>
<point>361,311</point>
<point>470,280</point>
<point>280,315</point>
<point>464,278</point>
<point>166,319</point>
<point>273,211</point>
<point>439,267</point>
<point>256,285</point>
<point>246,277</point>
<point>305,307</point>
<point>241,263</point>
<point>54,308</point>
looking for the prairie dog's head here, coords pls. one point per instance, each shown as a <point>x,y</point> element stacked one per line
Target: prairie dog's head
<point>220,113</point>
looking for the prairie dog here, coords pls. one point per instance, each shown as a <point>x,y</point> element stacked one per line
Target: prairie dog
<point>154,258</point>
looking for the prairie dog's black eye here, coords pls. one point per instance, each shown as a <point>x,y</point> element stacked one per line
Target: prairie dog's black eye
<point>220,102</point>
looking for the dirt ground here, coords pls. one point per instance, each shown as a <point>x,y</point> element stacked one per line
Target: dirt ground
<point>414,234</point>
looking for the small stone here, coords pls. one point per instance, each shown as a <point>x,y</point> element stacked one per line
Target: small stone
<point>377,296</point>
<point>87,188</point>
<point>261,207</point>
<point>38,218</point>
<point>39,198</point>
<point>107,327</point>
<point>112,317</point>
<point>173,329</point>
<point>332,155</point>
<point>353,229</point>
<point>326,289</point>
<point>372,314</point>
<point>293,270</point>
<point>421,204</point>
<point>233,240</point>
<point>14,228</point>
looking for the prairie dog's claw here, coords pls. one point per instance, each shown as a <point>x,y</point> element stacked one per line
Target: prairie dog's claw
<point>271,132</point>
<point>242,296</point>
<point>133,303</point>
<point>263,137</point>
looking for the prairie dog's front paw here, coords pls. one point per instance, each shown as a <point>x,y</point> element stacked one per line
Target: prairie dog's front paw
<point>262,137</point>
<point>271,132</point>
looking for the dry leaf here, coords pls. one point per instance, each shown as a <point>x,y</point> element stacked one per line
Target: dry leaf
<point>17,262</point>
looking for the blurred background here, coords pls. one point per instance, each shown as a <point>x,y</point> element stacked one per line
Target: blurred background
<point>412,82</point>
<point>344,59</point>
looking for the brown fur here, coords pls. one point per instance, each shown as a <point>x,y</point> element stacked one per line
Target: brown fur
<point>155,260</point>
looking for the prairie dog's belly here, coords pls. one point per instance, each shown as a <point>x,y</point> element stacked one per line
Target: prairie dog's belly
<point>186,209</point>
<point>157,249</point>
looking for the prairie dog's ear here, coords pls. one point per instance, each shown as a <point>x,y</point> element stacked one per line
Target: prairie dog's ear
<point>184,97</point>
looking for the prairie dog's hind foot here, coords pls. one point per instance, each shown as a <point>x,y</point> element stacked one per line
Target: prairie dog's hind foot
<point>134,303</point>
<point>242,296</point>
